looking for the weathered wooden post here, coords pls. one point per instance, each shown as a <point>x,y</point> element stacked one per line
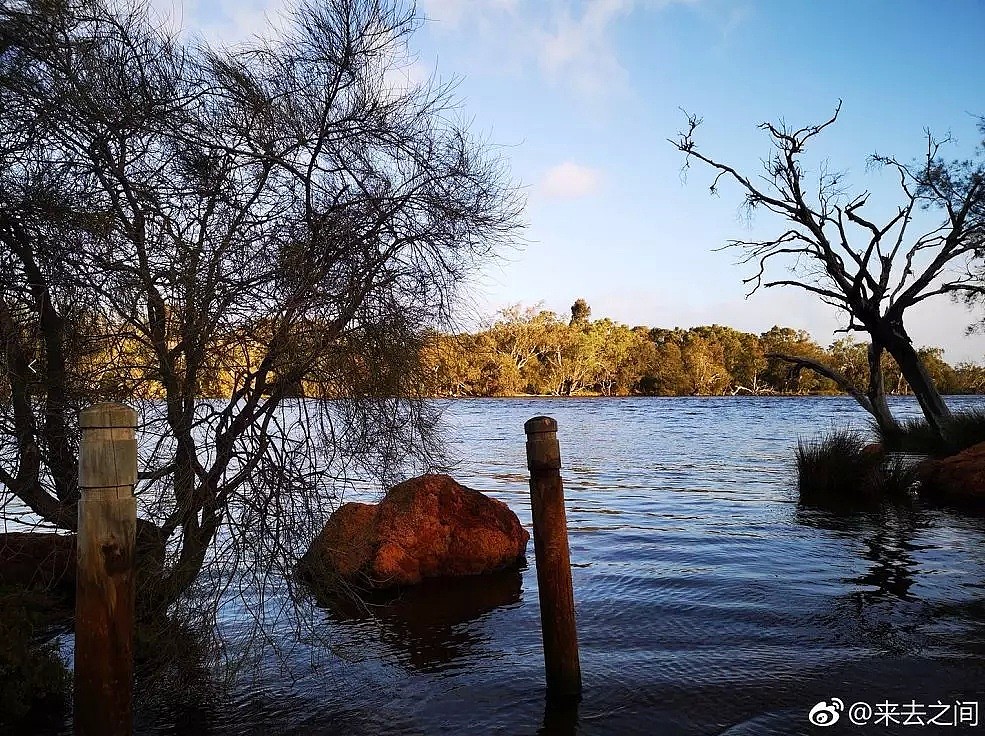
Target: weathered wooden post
<point>104,593</point>
<point>557,600</point>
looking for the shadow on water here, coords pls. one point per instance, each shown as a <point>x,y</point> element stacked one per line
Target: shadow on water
<point>430,627</point>
<point>888,552</point>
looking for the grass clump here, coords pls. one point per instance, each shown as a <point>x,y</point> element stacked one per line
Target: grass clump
<point>915,436</point>
<point>844,468</point>
<point>34,682</point>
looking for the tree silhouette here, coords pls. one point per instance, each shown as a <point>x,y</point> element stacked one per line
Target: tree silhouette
<point>580,312</point>
<point>872,272</point>
<point>279,214</point>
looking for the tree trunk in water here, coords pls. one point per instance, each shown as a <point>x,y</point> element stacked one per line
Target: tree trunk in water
<point>877,393</point>
<point>898,345</point>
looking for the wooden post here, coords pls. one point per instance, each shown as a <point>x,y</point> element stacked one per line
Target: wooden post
<point>557,600</point>
<point>104,593</point>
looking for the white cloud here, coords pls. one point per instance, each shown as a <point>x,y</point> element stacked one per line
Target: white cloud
<point>224,22</point>
<point>404,75</point>
<point>941,323</point>
<point>172,15</point>
<point>580,51</point>
<point>572,43</point>
<point>570,181</point>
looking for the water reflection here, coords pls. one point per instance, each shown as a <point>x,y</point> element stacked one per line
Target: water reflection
<point>560,719</point>
<point>432,626</point>
<point>888,549</point>
<point>878,605</point>
<point>170,653</point>
<point>886,546</point>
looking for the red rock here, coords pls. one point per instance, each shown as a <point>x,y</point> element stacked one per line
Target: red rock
<point>956,479</point>
<point>426,527</point>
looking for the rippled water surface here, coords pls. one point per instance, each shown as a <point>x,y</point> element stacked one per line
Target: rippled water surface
<point>708,600</point>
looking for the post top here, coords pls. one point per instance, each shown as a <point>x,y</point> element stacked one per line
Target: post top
<point>101,416</point>
<point>541,424</point>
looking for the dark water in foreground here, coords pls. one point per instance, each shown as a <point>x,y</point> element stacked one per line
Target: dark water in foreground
<point>708,601</point>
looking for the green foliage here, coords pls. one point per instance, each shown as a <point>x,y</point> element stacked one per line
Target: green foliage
<point>969,378</point>
<point>34,682</point>
<point>533,351</point>
<point>915,436</point>
<point>842,468</point>
<point>778,374</point>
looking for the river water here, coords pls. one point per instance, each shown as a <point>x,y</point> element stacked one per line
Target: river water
<point>708,600</point>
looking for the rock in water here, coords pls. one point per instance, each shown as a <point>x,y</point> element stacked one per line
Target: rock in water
<point>47,561</point>
<point>426,527</point>
<point>958,479</point>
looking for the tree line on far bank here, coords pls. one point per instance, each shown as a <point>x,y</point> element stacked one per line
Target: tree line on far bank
<point>536,351</point>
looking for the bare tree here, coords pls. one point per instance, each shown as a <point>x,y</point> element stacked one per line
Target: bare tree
<point>180,221</point>
<point>872,272</point>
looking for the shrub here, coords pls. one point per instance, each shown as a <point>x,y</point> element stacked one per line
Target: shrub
<point>915,436</point>
<point>843,468</point>
<point>34,681</point>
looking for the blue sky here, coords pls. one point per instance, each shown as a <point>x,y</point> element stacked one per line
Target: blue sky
<point>582,96</point>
